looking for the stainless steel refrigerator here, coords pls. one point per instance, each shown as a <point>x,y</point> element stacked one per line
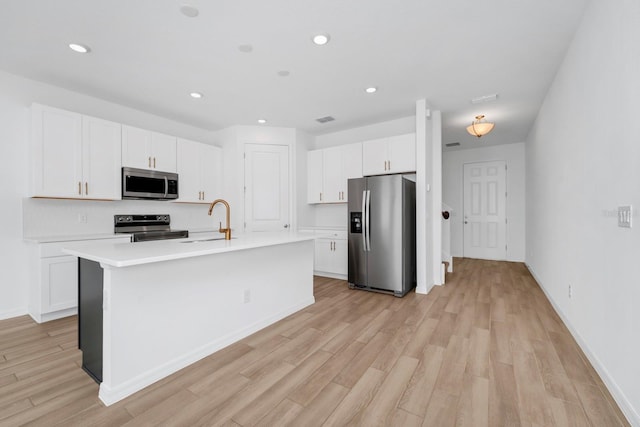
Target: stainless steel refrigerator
<point>382,234</point>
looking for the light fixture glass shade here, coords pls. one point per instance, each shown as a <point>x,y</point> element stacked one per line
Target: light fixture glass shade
<point>480,127</point>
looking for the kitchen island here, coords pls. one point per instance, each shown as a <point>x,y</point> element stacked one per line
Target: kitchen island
<point>149,309</point>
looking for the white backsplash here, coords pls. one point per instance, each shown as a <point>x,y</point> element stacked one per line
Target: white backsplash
<point>53,217</point>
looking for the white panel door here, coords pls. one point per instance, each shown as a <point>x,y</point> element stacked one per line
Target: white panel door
<point>485,217</point>
<point>266,180</point>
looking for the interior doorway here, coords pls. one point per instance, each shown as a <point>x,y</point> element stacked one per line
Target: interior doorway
<point>485,217</point>
<point>266,187</point>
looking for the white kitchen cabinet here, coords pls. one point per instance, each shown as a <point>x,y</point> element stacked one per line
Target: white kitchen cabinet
<point>328,171</point>
<point>315,176</point>
<point>200,172</point>
<point>144,149</point>
<point>53,289</point>
<point>330,255</point>
<point>74,156</point>
<point>394,154</point>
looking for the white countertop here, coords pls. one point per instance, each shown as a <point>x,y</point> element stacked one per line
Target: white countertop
<point>74,237</point>
<point>121,254</point>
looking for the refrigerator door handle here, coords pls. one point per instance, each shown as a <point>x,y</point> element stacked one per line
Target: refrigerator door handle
<point>366,222</point>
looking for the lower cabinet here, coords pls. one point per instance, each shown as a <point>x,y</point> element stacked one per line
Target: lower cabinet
<point>53,291</point>
<point>330,257</point>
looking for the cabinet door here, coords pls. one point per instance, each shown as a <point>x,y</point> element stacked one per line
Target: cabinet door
<point>352,158</point>
<point>402,153</point>
<point>314,176</point>
<point>188,162</point>
<point>339,257</point>
<point>59,283</point>
<point>136,148</point>
<point>163,152</point>
<point>375,157</point>
<point>56,149</point>
<point>101,158</point>
<point>211,172</point>
<point>323,257</point>
<point>334,179</point>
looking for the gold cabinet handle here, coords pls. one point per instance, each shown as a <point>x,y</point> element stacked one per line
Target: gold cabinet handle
<point>79,188</point>
<point>149,161</point>
<point>154,162</point>
<point>86,188</point>
<point>389,164</point>
<point>199,195</point>
<point>320,196</point>
<point>203,195</point>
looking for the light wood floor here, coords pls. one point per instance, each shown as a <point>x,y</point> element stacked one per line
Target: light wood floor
<point>486,349</point>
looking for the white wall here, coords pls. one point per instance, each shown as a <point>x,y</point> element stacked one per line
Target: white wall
<point>50,217</point>
<point>583,161</point>
<point>232,141</point>
<point>363,133</point>
<point>452,187</point>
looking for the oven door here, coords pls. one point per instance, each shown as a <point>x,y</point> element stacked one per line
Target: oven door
<point>148,184</point>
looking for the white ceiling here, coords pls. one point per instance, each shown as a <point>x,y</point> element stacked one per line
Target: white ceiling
<point>146,54</point>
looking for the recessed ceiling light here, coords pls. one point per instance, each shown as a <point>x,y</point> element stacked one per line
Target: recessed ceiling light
<point>79,48</point>
<point>246,48</point>
<point>283,73</point>
<point>262,121</point>
<point>321,39</point>
<point>371,89</point>
<point>189,11</point>
<point>196,95</point>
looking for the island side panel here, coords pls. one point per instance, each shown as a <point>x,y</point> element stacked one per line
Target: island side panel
<point>160,317</point>
<point>90,282</point>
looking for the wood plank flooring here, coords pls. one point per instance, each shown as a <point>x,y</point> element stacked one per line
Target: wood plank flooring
<point>486,349</point>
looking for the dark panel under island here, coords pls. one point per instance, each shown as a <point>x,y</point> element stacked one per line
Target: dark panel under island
<point>90,291</point>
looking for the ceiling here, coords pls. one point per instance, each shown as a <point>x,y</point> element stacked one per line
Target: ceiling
<point>148,55</point>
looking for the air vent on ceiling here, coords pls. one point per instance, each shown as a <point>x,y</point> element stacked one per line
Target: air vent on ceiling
<point>325,119</point>
<point>452,144</point>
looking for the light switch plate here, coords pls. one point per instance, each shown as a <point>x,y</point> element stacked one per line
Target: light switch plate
<point>624,216</point>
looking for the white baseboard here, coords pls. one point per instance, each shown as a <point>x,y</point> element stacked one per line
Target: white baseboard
<point>110,396</point>
<point>618,395</point>
<point>330,275</point>
<point>16,312</point>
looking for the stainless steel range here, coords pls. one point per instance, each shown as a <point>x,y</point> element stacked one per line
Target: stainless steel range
<point>144,228</point>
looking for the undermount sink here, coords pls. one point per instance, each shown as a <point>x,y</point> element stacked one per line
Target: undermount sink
<point>204,240</point>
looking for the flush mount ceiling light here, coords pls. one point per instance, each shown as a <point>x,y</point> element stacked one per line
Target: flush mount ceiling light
<point>245,48</point>
<point>480,126</point>
<point>321,39</point>
<point>262,121</point>
<point>79,48</point>
<point>371,89</point>
<point>196,95</point>
<point>189,11</point>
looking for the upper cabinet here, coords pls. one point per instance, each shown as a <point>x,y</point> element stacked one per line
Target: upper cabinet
<point>74,156</point>
<point>328,171</point>
<point>200,172</point>
<point>389,155</point>
<point>145,149</point>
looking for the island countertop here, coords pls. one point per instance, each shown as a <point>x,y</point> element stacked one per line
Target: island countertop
<point>125,254</point>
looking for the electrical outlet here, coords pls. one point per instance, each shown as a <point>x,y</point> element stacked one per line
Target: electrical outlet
<point>570,292</point>
<point>624,216</point>
<point>82,218</point>
<point>247,296</point>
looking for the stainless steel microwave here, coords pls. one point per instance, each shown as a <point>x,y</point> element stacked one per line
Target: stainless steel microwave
<point>149,184</point>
